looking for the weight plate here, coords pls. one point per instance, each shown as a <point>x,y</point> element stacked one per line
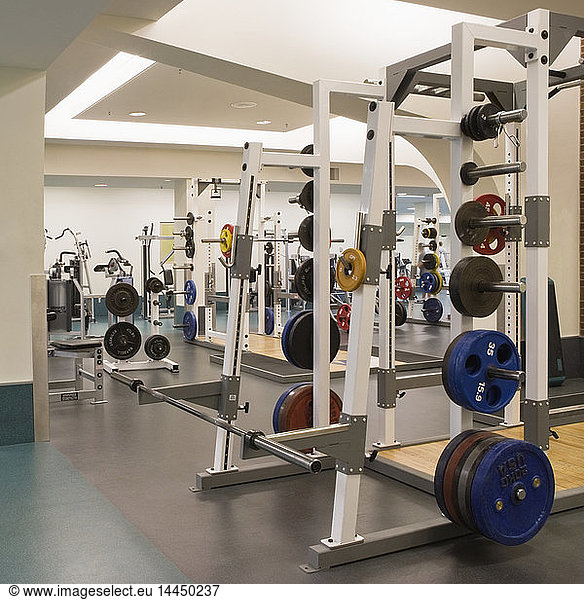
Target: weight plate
<point>122,299</point>
<point>190,248</point>
<point>452,473</point>
<point>297,343</point>
<point>269,321</point>
<point>431,282</point>
<point>492,245</point>
<point>403,287</point>
<point>512,492</point>
<point>495,240</point>
<point>441,468</point>
<point>308,171</point>
<point>293,409</point>
<point>432,310</point>
<point>286,334</point>
<point>226,240</point>
<point>189,233</point>
<point>401,314</point>
<point>189,325</point>
<point>157,347</point>
<point>432,245</point>
<point>269,248</point>
<point>431,261</point>
<point>469,211</point>
<point>122,340</point>
<point>305,233</point>
<point>429,232</point>
<point>465,281</point>
<point>190,292</point>
<point>190,218</point>
<point>351,269</point>
<point>306,197</point>
<point>466,371</point>
<point>154,285</point>
<point>465,473</point>
<point>303,280</point>
<point>344,317</point>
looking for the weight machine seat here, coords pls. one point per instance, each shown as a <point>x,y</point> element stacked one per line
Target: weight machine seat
<point>73,345</point>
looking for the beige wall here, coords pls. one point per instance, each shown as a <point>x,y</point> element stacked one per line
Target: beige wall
<point>22,98</point>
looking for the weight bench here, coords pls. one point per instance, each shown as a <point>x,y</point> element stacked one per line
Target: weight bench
<point>79,349</point>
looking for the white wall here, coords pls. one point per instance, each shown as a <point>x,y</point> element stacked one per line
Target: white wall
<point>108,218</point>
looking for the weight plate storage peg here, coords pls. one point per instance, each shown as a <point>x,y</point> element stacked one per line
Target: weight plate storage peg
<point>122,340</point>
<point>189,325</point>
<point>269,321</point>
<point>351,269</point>
<point>226,240</point>
<point>432,310</point>
<point>480,370</point>
<point>154,285</point>
<point>467,286</point>
<point>403,287</point>
<point>499,487</point>
<point>122,299</point>
<point>293,409</point>
<point>190,292</point>
<point>344,317</point>
<point>297,340</point>
<point>157,347</point>
<point>401,314</point>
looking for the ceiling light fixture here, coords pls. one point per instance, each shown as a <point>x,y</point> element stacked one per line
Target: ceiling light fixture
<point>100,185</point>
<point>265,122</point>
<point>137,113</point>
<point>244,104</point>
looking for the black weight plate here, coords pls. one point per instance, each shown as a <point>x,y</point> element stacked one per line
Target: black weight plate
<point>308,171</point>
<point>306,197</point>
<point>189,233</point>
<point>430,261</point>
<point>303,280</point>
<point>432,310</point>
<point>486,130</point>
<point>470,236</point>
<point>306,233</point>
<point>401,314</point>
<point>441,469</point>
<point>122,299</point>
<point>300,341</point>
<point>465,279</point>
<point>189,248</point>
<point>190,218</point>
<point>154,285</point>
<point>432,245</point>
<point>157,347</point>
<point>466,470</point>
<point>122,340</point>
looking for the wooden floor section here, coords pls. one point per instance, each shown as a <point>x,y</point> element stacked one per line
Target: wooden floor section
<point>271,346</point>
<point>566,454</point>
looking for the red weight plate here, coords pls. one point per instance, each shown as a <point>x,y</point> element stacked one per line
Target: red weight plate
<point>403,287</point>
<point>296,410</point>
<point>344,317</point>
<point>495,241</point>
<point>449,483</point>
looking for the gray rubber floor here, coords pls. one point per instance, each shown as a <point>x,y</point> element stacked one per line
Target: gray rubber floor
<point>143,458</point>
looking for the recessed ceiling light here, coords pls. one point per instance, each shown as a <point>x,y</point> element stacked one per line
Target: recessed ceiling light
<point>402,193</point>
<point>137,113</point>
<point>100,185</point>
<point>243,104</point>
<point>265,122</point>
<point>168,180</point>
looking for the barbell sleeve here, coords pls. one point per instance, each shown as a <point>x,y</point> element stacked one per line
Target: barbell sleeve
<point>498,373</point>
<point>508,116</point>
<point>498,221</point>
<point>470,172</point>
<point>509,287</point>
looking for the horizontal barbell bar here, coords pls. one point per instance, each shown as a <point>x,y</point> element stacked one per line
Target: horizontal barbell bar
<point>470,172</point>
<point>255,439</point>
<point>290,239</point>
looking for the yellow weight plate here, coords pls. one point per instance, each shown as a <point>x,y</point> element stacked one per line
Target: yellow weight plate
<point>440,282</point>
<point>351,268</point>
<point>226,240</point>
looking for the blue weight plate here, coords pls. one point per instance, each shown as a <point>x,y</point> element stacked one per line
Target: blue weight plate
<point>286,334</point>
<point>469,384</point>
<point>432,310</point>
<point>189,325</point>
<point>445,361</point>
<point>269,321</point>
<point>441,468</point>
<point>429,282</point>
<point>191,292</point>
<point>519,476</point>
<point>278,405</point>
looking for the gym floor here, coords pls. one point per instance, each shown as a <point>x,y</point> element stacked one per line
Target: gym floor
<point>110,497</point>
